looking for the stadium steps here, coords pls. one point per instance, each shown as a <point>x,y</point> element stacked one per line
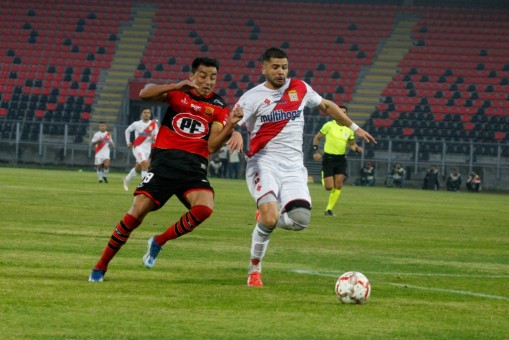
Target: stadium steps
<point>384,68</point>
<point>129,50</point>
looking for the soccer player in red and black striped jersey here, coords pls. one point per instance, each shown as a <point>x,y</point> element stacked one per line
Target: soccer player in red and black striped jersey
<point>196,124</point>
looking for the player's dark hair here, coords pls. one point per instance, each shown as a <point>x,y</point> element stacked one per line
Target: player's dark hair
<point>205,61</point>
<point>102,122</point>
<point>343,107</point>
<point>274,52</point>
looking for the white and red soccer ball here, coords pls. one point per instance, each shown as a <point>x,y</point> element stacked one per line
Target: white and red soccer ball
<point>353,288</point>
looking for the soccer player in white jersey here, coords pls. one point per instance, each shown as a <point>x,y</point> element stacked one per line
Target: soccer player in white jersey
<point>145,132</point>
<point>275,172</point>
<point>102,141</point>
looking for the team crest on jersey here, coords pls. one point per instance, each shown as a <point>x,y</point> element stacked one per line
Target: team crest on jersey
<point>190,126</point>
<point>292,94</point>
<point>266,101</point>
<point>209,111</point>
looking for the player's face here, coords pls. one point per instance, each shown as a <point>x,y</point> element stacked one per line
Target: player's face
<point>145,115</point>
<point>275,71</point>
<point>205,80</point>
<point>102,127</point>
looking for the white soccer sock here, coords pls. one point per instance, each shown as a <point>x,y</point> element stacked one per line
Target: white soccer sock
<point>130,175</point>
<point>100,175</point>
<point>260,241</point>
<point>106,172</point>
<point>143,173</point>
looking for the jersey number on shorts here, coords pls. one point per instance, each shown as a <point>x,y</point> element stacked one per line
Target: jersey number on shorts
<point>148,177</point>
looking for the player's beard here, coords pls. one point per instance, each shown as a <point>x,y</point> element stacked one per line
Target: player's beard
<point>276,82</point>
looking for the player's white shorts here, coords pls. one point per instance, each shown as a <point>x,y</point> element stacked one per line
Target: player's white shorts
<point>100,160</point>
<point>288,183</point>
<point>141,153</point>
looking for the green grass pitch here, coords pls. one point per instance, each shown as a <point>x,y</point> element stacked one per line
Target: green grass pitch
<point>438,263</point>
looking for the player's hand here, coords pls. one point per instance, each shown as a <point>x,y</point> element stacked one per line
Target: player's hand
<point>236,115</point>
<point>317,156</point>
<point>235,142</point>
<point>359,149</point>
<point>185,85</point>
<point>364,135</point>
<point>130,145</point>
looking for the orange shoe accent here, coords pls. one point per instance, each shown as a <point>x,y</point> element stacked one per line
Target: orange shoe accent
<point>254,279</point>
<point>257,215</point>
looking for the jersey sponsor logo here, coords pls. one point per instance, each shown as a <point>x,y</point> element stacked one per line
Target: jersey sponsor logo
<point>197,108</point>
<point>280,115</point>
<point>190,126</point>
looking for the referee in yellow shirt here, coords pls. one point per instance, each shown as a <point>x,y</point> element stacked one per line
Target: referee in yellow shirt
<point>334,164</point>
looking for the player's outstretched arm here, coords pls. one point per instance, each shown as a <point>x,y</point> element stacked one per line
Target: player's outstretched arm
<point>333,110</point>
<point>153,92</point>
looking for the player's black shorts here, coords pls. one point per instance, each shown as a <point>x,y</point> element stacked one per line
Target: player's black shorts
<point>173,172</point>
<point>334,165</point>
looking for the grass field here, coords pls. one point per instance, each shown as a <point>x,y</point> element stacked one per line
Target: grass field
<point>438,263</point>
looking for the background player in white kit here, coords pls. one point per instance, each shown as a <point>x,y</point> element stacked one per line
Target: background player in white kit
<point>145,132</point>
<point>275,172</point>
<point>102,141</point>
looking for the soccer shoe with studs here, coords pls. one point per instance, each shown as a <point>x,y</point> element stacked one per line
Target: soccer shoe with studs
<point>149,259</point>
<point>96,275</point>
<point>254,279</point>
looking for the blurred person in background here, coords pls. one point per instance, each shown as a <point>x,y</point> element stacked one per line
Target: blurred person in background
<point>145,132</point>
<point>453,181</point>
<point>431,179</point>
<point>334,162</point>
<point>474,182</point>
<point>103,142</point>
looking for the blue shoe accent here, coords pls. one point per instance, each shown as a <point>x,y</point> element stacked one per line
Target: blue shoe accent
<point>149,259</point>
<point>97,275</point>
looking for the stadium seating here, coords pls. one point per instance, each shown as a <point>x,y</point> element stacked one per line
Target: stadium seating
<point>321,43</point>
<point>52,54</point>
<point>458,72</point>
<point>452,85</point>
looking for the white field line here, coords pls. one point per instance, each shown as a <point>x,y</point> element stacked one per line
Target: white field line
<point>453,291</point>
